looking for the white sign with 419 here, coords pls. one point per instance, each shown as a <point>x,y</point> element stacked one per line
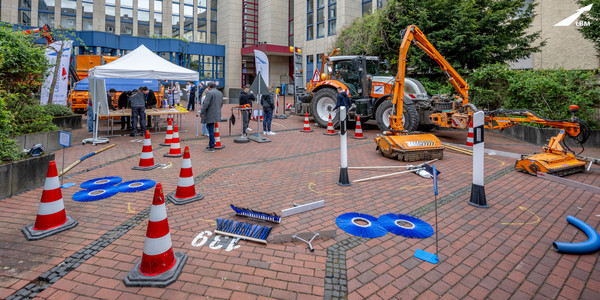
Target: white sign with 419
<point>215,242</point>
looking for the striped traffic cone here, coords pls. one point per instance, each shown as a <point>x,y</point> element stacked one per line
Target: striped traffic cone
<point>169,136</point>
<point>330,130</point>
<point>306,128</point>
<point>358,134</point>
<point>147,158</point>
<point>218,138</point>
<point>159,266</point>
<point>51,217</point>
<point>470,135</point>
<point>185,192</point>
<point>175,150</point>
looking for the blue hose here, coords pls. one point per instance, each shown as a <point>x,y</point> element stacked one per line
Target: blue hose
<point>590,246</point>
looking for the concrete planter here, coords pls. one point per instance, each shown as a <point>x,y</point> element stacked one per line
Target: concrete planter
<point>69,122</point>
<point>539,136</point>
<point>49,139</point>
<point>23,175</point>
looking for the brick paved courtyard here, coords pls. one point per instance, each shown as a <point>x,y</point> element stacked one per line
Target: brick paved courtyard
<point>504,251</point>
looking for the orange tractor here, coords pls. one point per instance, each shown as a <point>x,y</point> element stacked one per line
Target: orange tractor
<point>401,143</point>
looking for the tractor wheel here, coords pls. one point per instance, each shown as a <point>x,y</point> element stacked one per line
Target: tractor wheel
<point>324,99</point>
<point>410,117</point>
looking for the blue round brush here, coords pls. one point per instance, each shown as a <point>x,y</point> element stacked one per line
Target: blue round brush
<point>406,226</point>
<point>362,225</point>
<point>100,183</point>
<point>136,185</point>
<point>94,195</point>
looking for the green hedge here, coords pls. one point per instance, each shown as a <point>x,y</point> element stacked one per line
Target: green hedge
<point>57,110</point>
<point>548,92</point>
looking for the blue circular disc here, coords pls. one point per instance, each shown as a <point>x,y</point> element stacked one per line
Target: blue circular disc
<point>100,183</point>
<point>406,226</point>
<point>362,225</point>
<point>135,185</point>
<point>93,195</point>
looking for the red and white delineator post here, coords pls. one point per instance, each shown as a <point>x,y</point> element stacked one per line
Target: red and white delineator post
<point>343,180</point>
<point>477,188</point>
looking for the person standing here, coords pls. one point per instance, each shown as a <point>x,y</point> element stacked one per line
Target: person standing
<point>268,106</point>
<point>246,99</point>
<point>150,99</point>
<point>203,91</point>
<point>191,92</point>
<point>112,93</point>
<point>122,104</point>
<point>138,110</point>
<point>342,99</point>
<point>177,93</point>
<point>211,113</point>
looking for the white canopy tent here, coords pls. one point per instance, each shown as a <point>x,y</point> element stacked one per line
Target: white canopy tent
<point>142,63</point>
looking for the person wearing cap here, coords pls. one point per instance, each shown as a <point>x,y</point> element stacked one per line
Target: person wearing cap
<point>246,99</point>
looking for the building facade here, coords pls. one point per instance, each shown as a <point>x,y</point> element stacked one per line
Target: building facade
<point>223,34</point>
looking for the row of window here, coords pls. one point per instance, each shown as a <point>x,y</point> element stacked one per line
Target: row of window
<point>320,24</point>
<point>180,24</point>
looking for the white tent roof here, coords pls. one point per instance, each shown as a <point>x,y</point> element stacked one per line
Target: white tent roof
<point>142,63</point>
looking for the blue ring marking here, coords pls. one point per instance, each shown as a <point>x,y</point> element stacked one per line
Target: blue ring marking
<point>94,195</point>
<point>135,185</point>
<point>420,229</point>
<point>347,223</point>
<point>101,183</point>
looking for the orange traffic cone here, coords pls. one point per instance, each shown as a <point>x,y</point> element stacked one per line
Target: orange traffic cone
<point>330,130</point>
<point>306,128</point>
<point>147,158</point>
<point>175,150</point>
<point>218,138</point>
<point>159,266</point>
<point>169,136</point>
<point>185,192</point>
<point>51,217</point>
<point>358,134</point>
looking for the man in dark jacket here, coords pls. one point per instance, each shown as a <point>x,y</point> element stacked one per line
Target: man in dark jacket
<point>268,105</point>
<point>137,102</point>
<point>150,100</point>
<point>342,99</point>
<point>191,96</point>
<point>246,98</point>
<point>122,104</point>
<point>211,113</point>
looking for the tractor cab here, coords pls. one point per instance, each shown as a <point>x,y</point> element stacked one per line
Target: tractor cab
<point>356,72</point>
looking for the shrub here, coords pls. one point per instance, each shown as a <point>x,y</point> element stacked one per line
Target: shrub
<point>8,147</point>
<point>57,110</point>
<point>33,118</point>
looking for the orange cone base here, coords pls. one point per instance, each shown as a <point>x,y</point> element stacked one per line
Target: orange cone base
<point>359,137</point>
<point>179,201</point>
<point>32,234</point>
<point>136,278</point>
<point>173,155</point>
<point>306,131</point>
<point>329,133</point>
<point>148,168</point>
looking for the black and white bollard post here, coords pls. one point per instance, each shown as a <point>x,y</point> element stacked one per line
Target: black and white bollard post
<point>343,181</point>
<point>477,189</point>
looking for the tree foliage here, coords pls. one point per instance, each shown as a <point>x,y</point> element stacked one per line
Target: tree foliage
<point>591,32</point>
<point>22,64</point>
<point>469,34</point>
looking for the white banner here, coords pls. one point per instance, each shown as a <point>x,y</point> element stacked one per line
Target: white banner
<point>61,88</point>
<point>262,65</point>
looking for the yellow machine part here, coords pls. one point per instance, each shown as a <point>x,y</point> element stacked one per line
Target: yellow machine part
<point>550,163</point>
<point>409,147</point>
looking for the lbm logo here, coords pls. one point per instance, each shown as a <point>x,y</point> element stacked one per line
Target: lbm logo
<point>568,21</point>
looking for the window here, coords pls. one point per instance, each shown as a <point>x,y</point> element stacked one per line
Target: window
<point>381,3</point>
<point>310,59</point>
<point>68,9</point>
<point>158,18</point>
<point>290,22</point>
<point>320,18</point>
<point>126,14</point>
<point>332,17</point>
<point>109,15</point>
<point>188,20</point>
<point>88,13</point>
<point>175,23</point>
<point>201,30</point>
<point>310,32</point>
<point>213,25</point>
<point>367,7</point>
<point>220,64</point>
<point>249,23</point>
<point>25,12</point>
<point>46,13</point>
